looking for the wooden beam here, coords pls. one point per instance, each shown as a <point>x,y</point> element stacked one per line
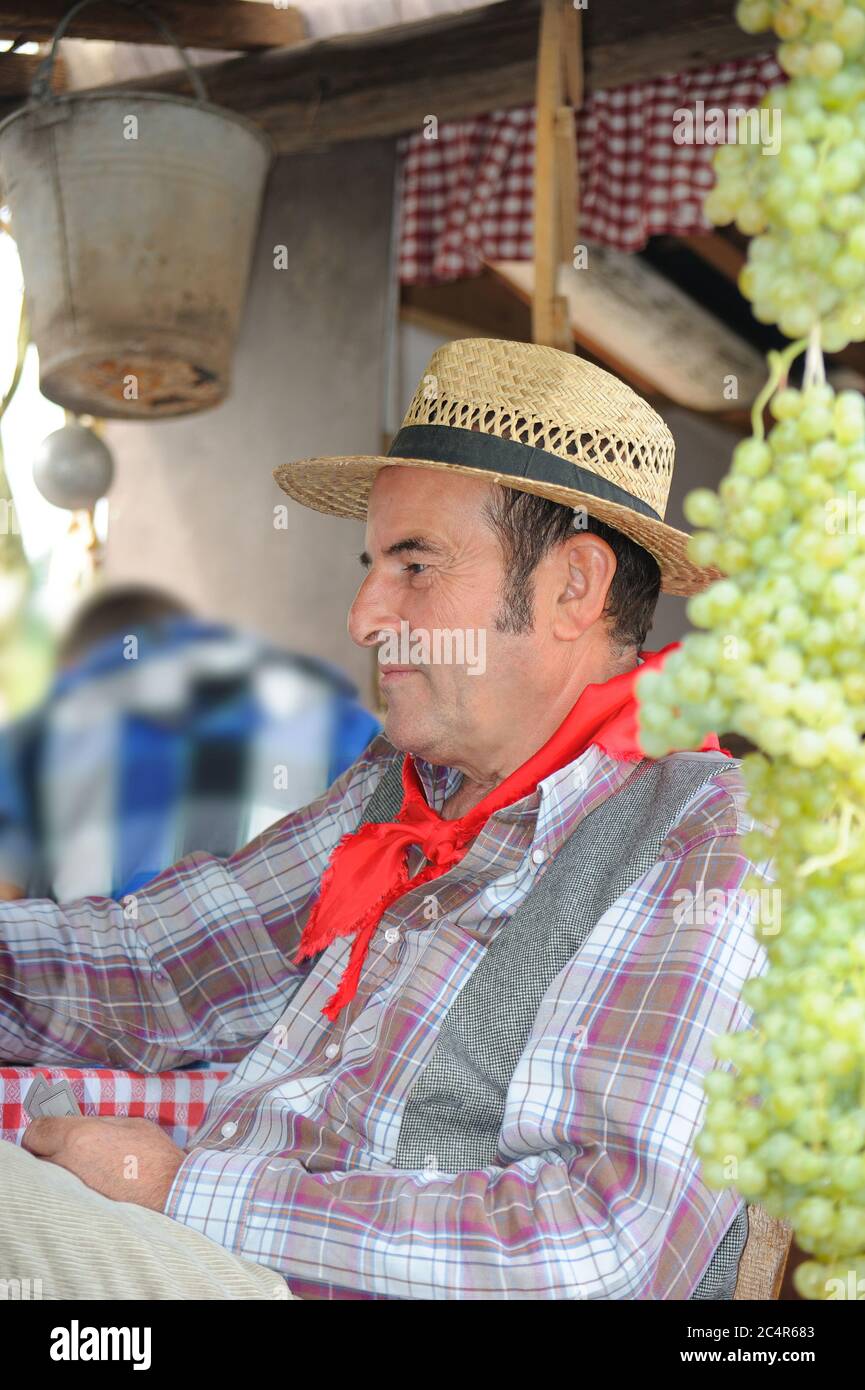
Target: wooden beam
<point>224,24</point>
<point>644,329</point>
<point>440,326</point>
<point>549,318</point>
<point>481,306</point>
<point>454,66</point>
<point>717,252</point>
<point>17,71</point>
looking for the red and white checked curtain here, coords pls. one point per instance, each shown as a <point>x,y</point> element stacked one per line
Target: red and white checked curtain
<point>467,195</point>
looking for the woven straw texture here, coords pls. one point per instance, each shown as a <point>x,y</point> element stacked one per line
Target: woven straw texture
<point>546,399</point>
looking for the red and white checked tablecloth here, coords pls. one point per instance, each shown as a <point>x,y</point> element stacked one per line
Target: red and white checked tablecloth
<point>176,1100</point>
<point>467,195</point>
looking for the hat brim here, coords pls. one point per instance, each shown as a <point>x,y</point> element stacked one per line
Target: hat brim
<point>341,487</point>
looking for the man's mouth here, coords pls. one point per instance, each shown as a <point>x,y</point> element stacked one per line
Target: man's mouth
<point>394,673</point>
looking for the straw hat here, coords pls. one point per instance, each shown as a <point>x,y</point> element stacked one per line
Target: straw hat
<point>535,419</point>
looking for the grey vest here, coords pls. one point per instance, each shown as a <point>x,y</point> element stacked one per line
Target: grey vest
<point>456,1106</point>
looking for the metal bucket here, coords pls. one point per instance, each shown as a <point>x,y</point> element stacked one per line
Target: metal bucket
<point>135,216</point>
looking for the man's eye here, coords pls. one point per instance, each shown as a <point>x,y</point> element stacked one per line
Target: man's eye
<point>415,568</point>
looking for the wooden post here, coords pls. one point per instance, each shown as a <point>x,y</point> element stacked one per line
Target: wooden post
<point>546,228</point>
<point>764,1259</point>
<point>559,84</point>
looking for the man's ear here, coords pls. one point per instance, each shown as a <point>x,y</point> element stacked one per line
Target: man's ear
<point>585,570</point>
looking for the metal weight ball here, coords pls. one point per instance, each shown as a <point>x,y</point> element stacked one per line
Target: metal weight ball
<point>73,468</point>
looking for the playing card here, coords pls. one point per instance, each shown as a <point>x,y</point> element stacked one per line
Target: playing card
<point>58,1099</point>
<point>32,1098</point>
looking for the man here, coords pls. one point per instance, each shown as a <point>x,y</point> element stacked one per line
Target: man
<point>163,734</point>
<point>470,1016</point>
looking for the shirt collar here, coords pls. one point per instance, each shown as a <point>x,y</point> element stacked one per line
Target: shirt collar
<point>548,812</point>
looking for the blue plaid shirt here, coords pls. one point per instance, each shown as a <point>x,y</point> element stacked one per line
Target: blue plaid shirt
<point>191,736</point>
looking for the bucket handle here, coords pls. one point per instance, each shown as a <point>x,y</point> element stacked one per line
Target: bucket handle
<point>41,86</point>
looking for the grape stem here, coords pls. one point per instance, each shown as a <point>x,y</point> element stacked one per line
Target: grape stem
<point>779,363</point>
<point>842,848</point>
<point>815,371</point>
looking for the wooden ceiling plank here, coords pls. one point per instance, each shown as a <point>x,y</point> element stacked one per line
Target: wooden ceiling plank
<point>222,24</point>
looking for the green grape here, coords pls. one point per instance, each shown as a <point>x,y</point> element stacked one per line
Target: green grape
<point>786,404</point>
<point>825,9</point>
<point>844,214</point>
<point>702,507</point>
<point>703,548</point>
<point>794,58</point>
<point>825,58</point>
<point>849,30</point>
<point>845,271</point>
<point>754,15</point>
<point>842,172</point>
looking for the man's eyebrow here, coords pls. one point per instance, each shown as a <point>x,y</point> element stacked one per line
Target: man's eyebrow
<point>419,544</point>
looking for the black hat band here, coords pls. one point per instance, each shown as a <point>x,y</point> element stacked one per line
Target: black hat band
<point>489,452</point>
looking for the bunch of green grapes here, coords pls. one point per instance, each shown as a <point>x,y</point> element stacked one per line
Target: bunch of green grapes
<point>780,660</point>
<point>786,1126</point>
<point>804,207</point>
<point>818,36</point>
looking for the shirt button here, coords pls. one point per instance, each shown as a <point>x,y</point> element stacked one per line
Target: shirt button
<point>332,1050</point>
<point>228,1129</point>
<point>538,856</point>
<point>392,934</point>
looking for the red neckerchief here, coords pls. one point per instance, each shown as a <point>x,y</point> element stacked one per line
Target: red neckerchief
<point>367,870</point>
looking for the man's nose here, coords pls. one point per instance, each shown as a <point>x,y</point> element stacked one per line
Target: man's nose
<point>372,612</point>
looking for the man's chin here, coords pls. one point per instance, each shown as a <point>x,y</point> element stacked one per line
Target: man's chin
<point>406,731</point>
<point>403,733</point>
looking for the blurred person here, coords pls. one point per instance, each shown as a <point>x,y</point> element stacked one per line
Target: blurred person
<point>163,735</point>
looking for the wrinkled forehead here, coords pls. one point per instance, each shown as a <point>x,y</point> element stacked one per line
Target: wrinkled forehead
<point>428,497</point>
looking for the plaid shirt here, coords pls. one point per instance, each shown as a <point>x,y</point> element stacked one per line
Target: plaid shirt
<point>293,1167</point>
<point>202,740</point>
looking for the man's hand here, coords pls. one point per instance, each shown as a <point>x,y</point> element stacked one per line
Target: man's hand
<point>127,1160</point>
<point>10,892</point>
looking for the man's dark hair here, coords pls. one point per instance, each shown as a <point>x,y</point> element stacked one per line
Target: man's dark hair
<point>124,609</point>
<point>528,527</point>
